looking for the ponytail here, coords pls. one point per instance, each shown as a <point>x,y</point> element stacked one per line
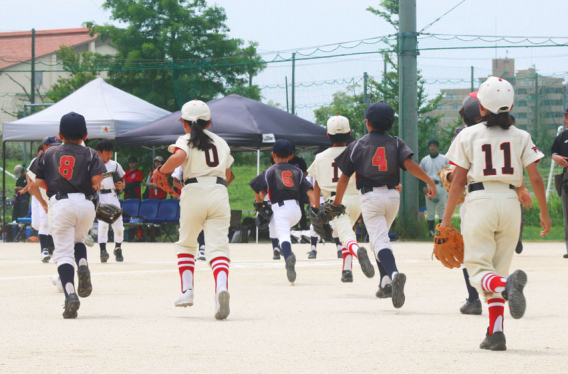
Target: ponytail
<point>199,139</point>
<point>502,120</point>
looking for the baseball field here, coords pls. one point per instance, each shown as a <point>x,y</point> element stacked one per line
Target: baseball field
<point>130,325</point>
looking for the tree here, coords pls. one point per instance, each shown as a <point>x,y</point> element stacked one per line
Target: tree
<point>83,68</point>
<point>172,51</point>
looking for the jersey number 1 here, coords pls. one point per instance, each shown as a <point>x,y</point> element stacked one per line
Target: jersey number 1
<point>489,170</point>
<point>212,153</point>
<point>380,160</point>
<point>66,164</point>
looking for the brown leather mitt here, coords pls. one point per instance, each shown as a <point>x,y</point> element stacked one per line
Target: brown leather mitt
<point>443,174</point>
<point>161,181</point>
<point>448,246</point>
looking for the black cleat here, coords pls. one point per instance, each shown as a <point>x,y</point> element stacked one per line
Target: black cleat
<point>495,342</point>
<point>398,297</point>
<point>85,287</point>
<point>347,276</point>
<point>276,255</point>
<point>514,293</point>
<point>566,255</point>
<point>312,254</point>
<point>339,253</point>
<point>104,256</point>
<point>519,247</point>
<point>384,292</point>
<point>50,249</point>
<point>118,254</point>
<point>366,265</point>
<point>290,268</point>
<point>473,307</point>
<point>71,306</point>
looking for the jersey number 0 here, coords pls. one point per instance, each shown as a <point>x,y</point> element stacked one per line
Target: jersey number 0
<point>211,156</point>
<point>66,164</point>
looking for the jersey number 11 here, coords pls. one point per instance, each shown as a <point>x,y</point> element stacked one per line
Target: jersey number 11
<point>489,170</point>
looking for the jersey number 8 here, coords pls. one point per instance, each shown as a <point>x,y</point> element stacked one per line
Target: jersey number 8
<point>66,164</point>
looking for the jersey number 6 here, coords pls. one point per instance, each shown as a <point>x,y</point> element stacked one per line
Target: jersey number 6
<point>287,178</point>
<point>380,160</point>
<point>212,150</point>
<point>66,164</point>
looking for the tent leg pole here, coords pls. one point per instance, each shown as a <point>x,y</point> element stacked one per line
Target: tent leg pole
<point>257,173</point>
<point>4,192</point>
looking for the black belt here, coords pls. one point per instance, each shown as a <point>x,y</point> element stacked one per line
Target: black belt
<point>61,196</point>
<point>479,186</point>
<point>333,194</point>
<point>194,180</point>
<point>366,189</point>
<point>105,191</point>
<point>280,203</point>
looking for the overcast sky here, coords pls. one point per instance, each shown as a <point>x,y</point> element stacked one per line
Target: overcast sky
<point>282,25</point>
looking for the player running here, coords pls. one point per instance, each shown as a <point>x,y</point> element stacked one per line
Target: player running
<point>326,174</point>
<point>205,159</point>
<point>377,159</point>
<point>490,158</point>
<point>71,173</point>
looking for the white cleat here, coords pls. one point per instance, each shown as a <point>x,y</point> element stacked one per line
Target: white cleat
<point>57,283</point>
<point>185,299</point>
<point>45,256</point>
<point>201,255</point>
<point>222,305</point>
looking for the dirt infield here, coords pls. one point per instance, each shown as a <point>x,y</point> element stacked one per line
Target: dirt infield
<point>130,325</point>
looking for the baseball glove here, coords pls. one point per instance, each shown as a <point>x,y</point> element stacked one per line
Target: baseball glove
<point>264,209</point>
<point>443,174</point>
<point>261,222</point>
<point>328,211</point>
<point>108,213</point>
<point>161,181</point>
<point>448,246</point>
<point>320,223</point>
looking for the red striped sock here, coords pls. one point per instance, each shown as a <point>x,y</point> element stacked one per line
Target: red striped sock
<point>352,246</point>
<point>496,314</point>
<point>220,267</point>
<point>186,265</point>
<point>347,259</point>
<point>493,283</point>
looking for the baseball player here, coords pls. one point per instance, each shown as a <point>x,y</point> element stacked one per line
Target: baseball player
<point>205,159</point>
<point>109,195</point>
<point>71,173</point>
<point>40,218</point>
<point>326,174</point>
<point>432,164</point>
<point>490,158</point>
<point>283,183</point>
<point>377,159</point>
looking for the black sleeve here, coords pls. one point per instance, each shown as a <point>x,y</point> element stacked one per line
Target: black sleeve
<point>302,164</point>
<point>557,144</point>
<point>37,167</point>
<point>305,185</point>
<point>97,165</point>
<point>344,162</point>
<point>258,184</point>
<point>404,152</point>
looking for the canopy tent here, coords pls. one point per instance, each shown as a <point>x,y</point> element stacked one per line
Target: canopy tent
<point>244,123</point>
<point>107,110</point>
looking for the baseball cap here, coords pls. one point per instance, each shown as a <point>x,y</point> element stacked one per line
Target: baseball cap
<point>283,147</point>
<point>18,170</point>
<point>194,110</point>
<point>433,141</point>
<point>496,95</point>
<point>73,125</point>
<point>50,140</point>
<point>159,158</point>
<point>132,159</point>
<point>379,110</point>
<point>565,111</point>
<point>338,125</point>
<point>470,110</point>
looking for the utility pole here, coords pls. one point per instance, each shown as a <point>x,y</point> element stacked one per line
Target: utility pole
<point>287,104</point>
<point>472,81</point>
<point>408,96</point>
<point>32,98</point>
<point>294,83</point>
<point>536,104</point>
<point>365,95</point>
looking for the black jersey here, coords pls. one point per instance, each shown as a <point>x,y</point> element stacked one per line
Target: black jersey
<point>281,181</point>
<point>376,160</point>
<point>68,168</point>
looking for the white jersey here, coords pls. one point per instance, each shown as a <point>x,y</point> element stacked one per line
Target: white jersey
<point>212,163</point>
<point>493,153</point>
<point>433,165</point>
<point>326,173</point>
<point>33,178</point>
<point>178,174</point>
<point>108,183</point>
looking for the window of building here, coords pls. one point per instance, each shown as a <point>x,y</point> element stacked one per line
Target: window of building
<point>520,115</point>
<point>521,103</point>
<point>527,83</point>
<point>38,76</point>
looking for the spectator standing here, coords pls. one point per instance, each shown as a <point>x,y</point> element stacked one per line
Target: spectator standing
<point>154,192</point>
<point>560,156</point>
<point>432,164</point>
<point>133,178</point>
<point>21,200</point>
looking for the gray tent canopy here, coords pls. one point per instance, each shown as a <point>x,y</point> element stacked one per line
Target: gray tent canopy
<point>244,123</point>
<point>107,110</point>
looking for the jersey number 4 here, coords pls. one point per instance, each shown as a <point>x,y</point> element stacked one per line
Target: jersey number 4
<point>380,160</point>
<point>211,156</point>
<point>506,169</point>
<point>66,164</point>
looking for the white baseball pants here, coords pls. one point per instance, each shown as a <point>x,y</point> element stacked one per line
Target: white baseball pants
<point>283,219</point>
<point>379,208</point>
